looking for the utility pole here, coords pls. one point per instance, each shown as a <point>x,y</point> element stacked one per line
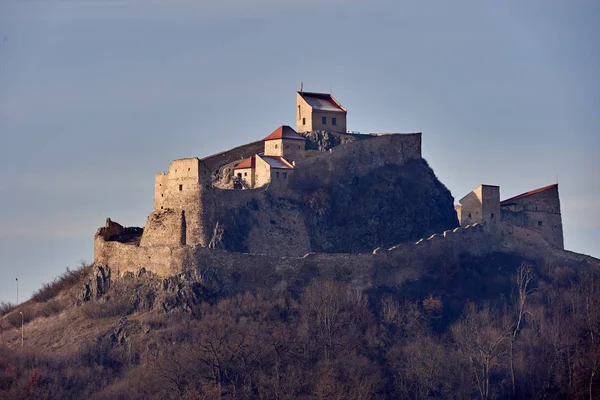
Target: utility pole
<point>20,312</point>
<point>17,279</point>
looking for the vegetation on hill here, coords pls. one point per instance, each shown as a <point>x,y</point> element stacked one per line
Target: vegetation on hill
<point>492,327</point>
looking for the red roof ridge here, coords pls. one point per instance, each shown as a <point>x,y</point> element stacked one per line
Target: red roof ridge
<point>284,132</point>
<point>527,194</point>
<point>247,163</point>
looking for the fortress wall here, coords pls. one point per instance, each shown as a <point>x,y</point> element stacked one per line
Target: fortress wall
<point>162,260</point>
<point>165,228</point>
<point>356,159</point>
<point>229,273</point>
<point>271,220</point>
<point>214,162</point>
<point>449,244</point>
<point>531,224</point>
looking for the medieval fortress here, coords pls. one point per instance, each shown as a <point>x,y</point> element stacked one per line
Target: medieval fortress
<point>201,207</point>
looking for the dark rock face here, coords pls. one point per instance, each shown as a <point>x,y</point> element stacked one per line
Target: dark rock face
<point>97,284</point>
<point>391,205</point>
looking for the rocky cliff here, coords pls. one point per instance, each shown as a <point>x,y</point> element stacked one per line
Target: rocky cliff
<point>390,205</point>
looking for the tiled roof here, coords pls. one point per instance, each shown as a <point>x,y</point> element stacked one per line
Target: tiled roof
<point>277,162</point>
<point>284,132</point>
<point>247,163</point>
<point>526,194</point>
<point>322,101</point>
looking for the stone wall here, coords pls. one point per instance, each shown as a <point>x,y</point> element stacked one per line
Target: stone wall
<point>230,273</point>
<point>539,213</point>
<point>344,162</point>
<point>121,257</point>
<point>214,162</point>
<point>482,205</point>
<point>165,228</point>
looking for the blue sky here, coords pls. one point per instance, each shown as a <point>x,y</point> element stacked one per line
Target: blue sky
<point>96,97</point>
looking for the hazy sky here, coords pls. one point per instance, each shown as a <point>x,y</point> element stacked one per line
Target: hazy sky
<point>96,97</point>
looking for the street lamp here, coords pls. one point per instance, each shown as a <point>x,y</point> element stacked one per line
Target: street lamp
<point>20,312</point>
<point>17,279</point>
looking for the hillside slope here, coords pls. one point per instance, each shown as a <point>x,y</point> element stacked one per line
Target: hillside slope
<point>461,328</point>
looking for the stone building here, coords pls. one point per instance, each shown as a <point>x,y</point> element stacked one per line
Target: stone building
<point>533,217</point>
<point>283,148</point>
<point>319,112</point>
<point>479,206</point>
<point>534,214</point>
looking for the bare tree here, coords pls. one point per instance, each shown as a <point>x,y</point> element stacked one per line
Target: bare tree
<point>521,294</point>
<point>481,338</point>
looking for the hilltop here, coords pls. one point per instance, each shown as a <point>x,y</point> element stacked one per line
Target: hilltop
<point>316,263</point>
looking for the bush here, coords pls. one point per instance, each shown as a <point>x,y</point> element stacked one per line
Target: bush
<point>66,280</point>
<point>5,308</point>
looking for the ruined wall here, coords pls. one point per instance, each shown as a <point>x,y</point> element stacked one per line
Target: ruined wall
<point>110,229</point>
<point>344,162</point>
<point>230,273</point>
<point>165,228</point>
<point>121,258</point>
<point>180,189</point>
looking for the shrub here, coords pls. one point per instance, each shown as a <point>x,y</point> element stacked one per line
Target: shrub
<point>5,308</point>
<point>69,278</point>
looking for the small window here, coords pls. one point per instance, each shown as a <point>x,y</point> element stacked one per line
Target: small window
<point>245,174</point>
<point>207,186</point>
<point>161,207</point>
<point>303,121</point>
<point>276,146</point>
<point>324,120</point>
<point>334,121</point>
<point>188,169</point>
<point>276,174</point>
<point>298,147</point>
<point>492,215</point>
<point>284,175</point>
<point>162,195</point>
<point>175,170</point>
<point>540,223</point>
<point>180,188</point>
<point>469,215</point>
<point>287,146</point>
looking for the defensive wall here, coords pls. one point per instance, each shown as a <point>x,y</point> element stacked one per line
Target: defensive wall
<point>345,161</point>
<point>187,188</point>
<point>229,272</point>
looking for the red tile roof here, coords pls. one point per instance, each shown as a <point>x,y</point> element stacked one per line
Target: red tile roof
<point>526,194</point>
<point>247,163</point>
<point>284,132</point>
